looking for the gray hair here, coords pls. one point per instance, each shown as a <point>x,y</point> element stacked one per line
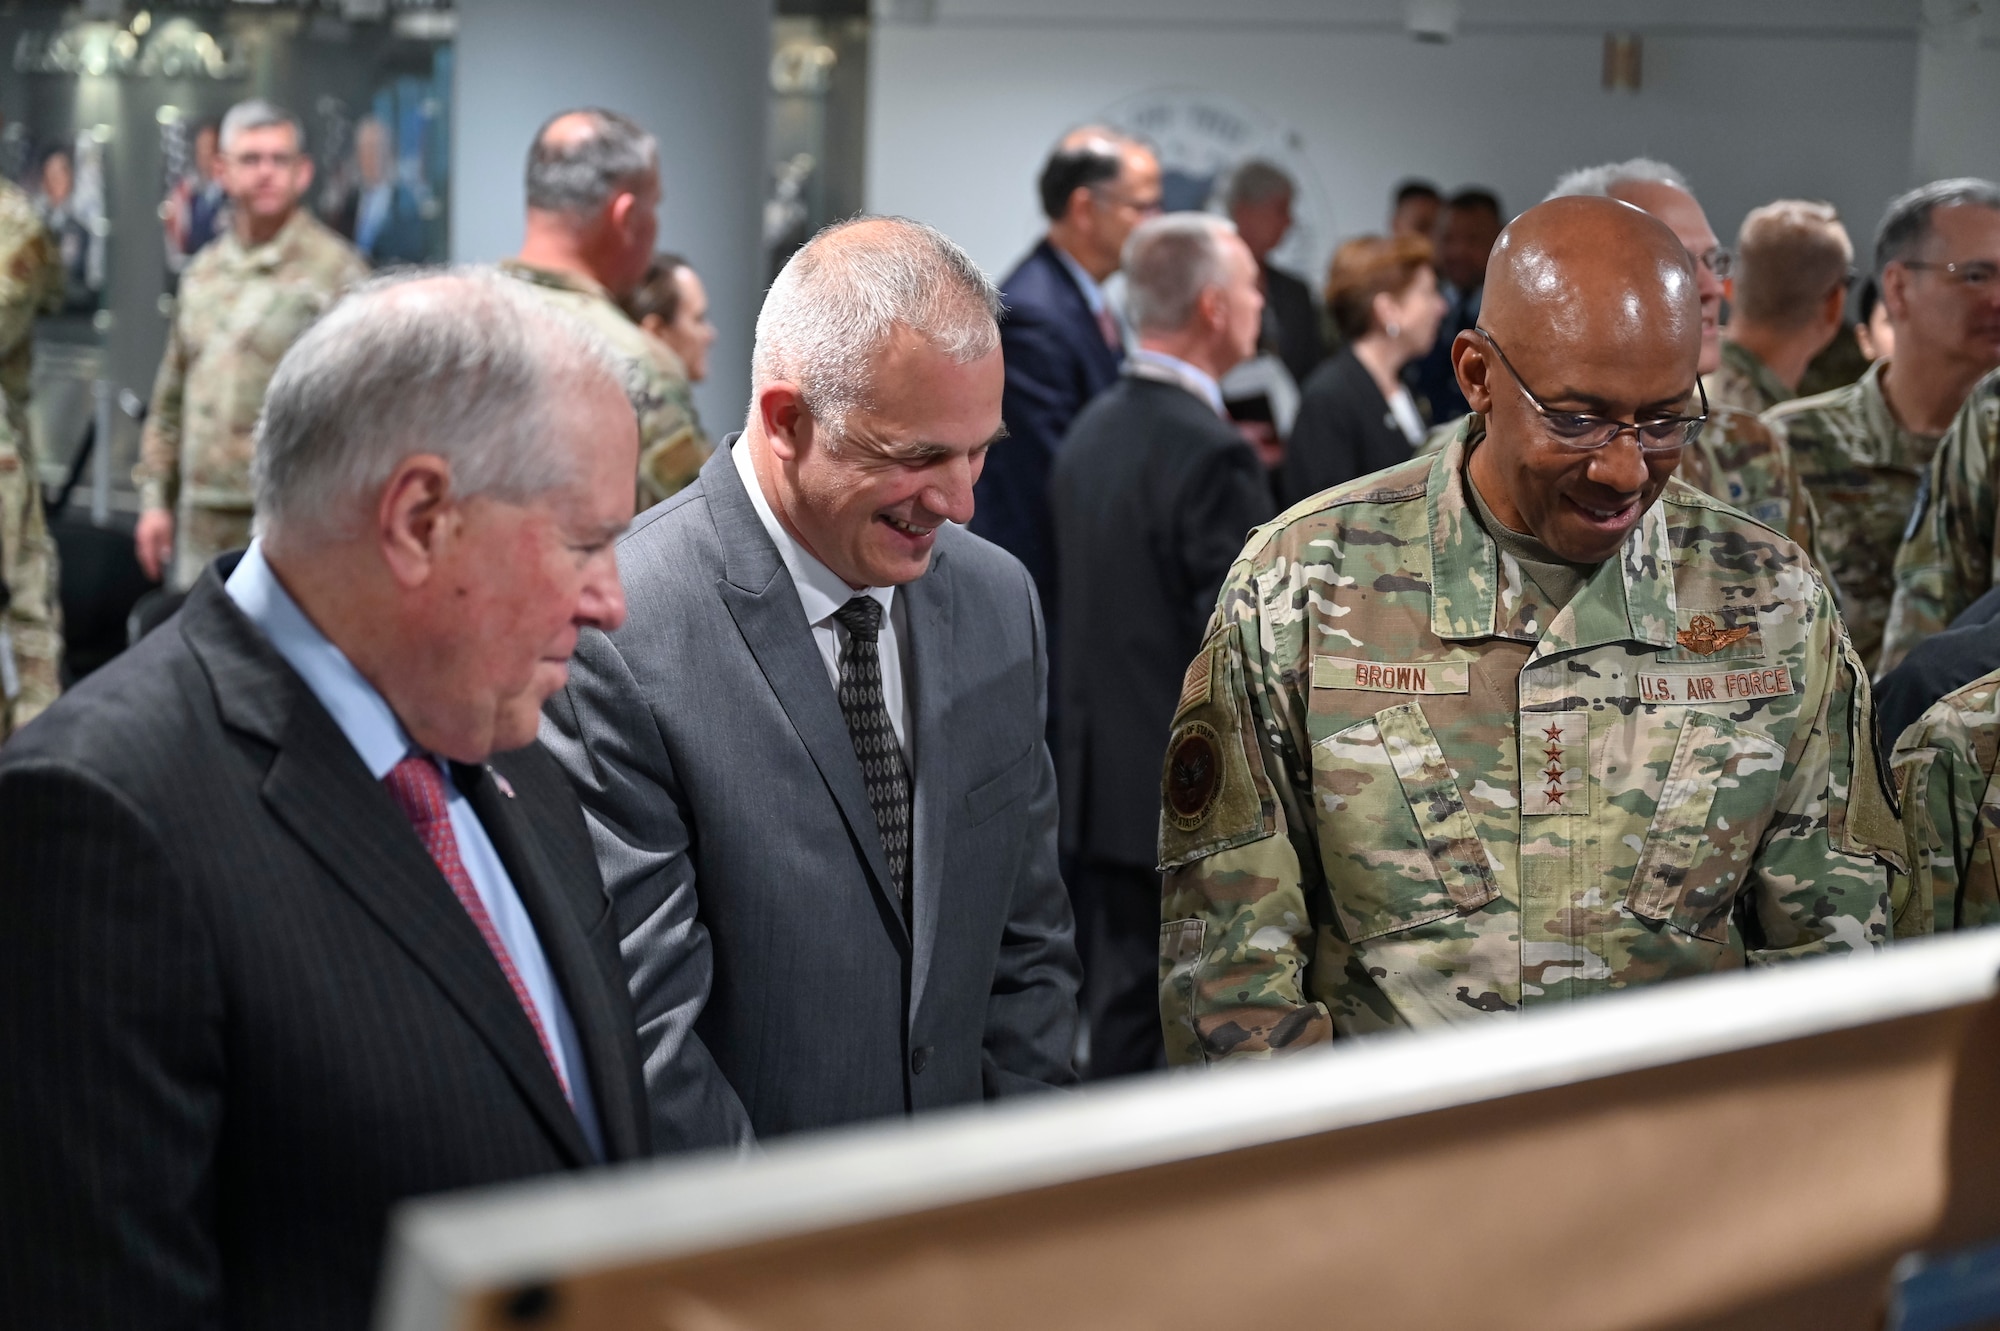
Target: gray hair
<point>1168,262</point>
<point>1257,181</point>
<point>463,363</point>
<point>1907,224</point>
<point>1791,255</point>
<point>838,300</point>
<point>578,175</point>
<point>256,113</point>
<point>1600,181</point>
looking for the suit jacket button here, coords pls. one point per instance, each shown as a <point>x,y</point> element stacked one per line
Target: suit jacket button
<point>919,1057</point>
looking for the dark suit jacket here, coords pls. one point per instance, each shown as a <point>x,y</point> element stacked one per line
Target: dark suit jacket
<point>1057,360</point>
<point>1291,319</point>
<point>1940,664</point>
<point>1430,377</point>
<point>1344,430</point>
<point>243,1013</point>
<point>732,824</point>
<point>1154,494</point>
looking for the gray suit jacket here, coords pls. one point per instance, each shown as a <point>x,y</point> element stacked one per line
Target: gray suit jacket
<point>776,985</point>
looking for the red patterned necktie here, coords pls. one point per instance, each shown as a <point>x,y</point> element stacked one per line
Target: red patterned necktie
<point>417,786</point>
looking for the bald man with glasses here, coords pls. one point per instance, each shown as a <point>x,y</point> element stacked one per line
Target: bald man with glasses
<point>1524,722</point>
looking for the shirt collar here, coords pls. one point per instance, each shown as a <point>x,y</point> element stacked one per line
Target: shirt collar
<point>362,714</point>
<point>1145,363</point>
<point>1093,292</point>
<point>821,590</point>
<point>1745,362</point>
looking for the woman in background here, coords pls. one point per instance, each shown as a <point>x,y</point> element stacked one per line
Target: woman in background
<point>671,304</point>
<point>1355,415</point>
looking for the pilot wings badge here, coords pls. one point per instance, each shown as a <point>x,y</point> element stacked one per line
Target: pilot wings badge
<point>1703,637</point>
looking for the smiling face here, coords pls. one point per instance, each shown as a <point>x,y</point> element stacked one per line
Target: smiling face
<point>868,505</point>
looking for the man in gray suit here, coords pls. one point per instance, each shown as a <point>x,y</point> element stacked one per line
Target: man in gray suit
<point>812,757</point>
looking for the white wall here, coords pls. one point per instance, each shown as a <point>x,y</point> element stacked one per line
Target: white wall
<point>1957,131</point>
<point>692,72</point>
<point>1753,100</point>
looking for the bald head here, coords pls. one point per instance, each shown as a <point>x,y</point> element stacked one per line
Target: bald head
<point>1591,310</point>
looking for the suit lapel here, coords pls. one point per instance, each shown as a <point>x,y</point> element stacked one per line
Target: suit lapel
<point>318,789</point>
<point>928,614</point>
<point>760,597</point>
<point>1103,359</point>
<point>578,973</point>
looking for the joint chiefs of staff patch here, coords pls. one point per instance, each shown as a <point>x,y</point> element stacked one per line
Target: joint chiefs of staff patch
<point>1401,790</point>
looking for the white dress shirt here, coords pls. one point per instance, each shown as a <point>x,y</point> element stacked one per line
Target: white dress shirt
<point>364,716</point>
<point>821,592</point>
<point>1146,363</point>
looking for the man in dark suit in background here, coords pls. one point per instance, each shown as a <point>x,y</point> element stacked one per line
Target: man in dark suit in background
<point>1471,223</point>
<point>1061,339</point>
<point>813,759</point>
<point>291,926</point>
<point>1260,204</point>
<point>1154,493</point>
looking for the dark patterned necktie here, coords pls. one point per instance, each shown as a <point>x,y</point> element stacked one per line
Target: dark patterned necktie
<point>867,714</point>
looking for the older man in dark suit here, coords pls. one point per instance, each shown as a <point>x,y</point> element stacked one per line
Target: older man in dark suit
<point>1154,493</point>
<point>291,925</point>
<point>812,758</point>
<point>1062,340</point>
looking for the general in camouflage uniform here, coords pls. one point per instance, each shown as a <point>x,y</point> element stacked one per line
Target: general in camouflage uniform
<point>1744,382</point>
<point>1863,471</point>
<point>672,446</point>
<point>1953,548</point>
<point>31,282</point>
<point>240,308</point>
<point>1945,765</point>
<point>1400,792</point>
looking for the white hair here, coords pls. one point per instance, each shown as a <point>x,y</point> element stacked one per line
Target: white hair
<point>256,113</point>
<point>1168,262</point>
<point>1599,181</point>
<point>839,299</point>
<point>462,363</point>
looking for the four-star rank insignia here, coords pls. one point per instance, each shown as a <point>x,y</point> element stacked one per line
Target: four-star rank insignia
<point>1703,637</point>
<point>1194,776</point>
<point>1555,762</point>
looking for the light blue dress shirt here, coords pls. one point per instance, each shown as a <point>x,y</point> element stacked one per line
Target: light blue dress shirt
<point>1175,370</point>
<point>379,738</point>
<point>1094,294</point>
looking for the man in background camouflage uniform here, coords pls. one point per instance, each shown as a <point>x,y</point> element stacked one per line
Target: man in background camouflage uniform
<point>31,282</point>
<point>1788,299</point>
<point>1468,737</point>
<point>1945,764</point>
<point>593,214</point>
<point>1864,451</point>
<point>244,300</point>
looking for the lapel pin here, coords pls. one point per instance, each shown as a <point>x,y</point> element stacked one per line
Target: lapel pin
<point>506,787</point>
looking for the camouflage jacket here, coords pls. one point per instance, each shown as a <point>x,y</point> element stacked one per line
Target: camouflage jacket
<point>238,312</point>
<point>1951,552</point>
<point>1951,811</point>
<point>31,283</point>
<point>671,444</point>
<point>1744,382</point>
<point>1863,471</point>
<point>1399,793</point>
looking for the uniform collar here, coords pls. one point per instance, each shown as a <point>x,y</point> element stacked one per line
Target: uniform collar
<point>1629,598</point>
<point>560,281</point>
<point>1886,443</point>
<point>273,251</point>
<point>1746,363</point>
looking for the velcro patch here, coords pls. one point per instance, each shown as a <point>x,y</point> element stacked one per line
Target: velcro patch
<point>1716,686</point>
<point>1340,672</point>
<point>1195,685</point>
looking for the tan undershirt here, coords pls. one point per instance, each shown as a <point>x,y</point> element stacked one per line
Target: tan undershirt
<point>1554,577</point>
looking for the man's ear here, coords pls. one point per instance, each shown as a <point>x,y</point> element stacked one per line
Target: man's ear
<point>304,171</point>
<point>415,517</point>
<point>1833,310</point>
<point>619,211</point>
<point>1469,363</point>
<point>787,424</point>
<point>1896,292</point>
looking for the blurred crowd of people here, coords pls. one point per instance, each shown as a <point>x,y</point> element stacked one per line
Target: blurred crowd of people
<point>1155,656</point>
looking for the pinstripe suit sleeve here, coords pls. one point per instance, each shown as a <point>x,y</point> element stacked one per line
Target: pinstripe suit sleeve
<point>111,1018</point>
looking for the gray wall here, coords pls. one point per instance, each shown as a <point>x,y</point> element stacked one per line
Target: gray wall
<point>693,73</point>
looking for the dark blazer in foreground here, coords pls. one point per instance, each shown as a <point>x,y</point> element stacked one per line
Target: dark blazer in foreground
<point>241,1011</point>
<point>734,832</point>
<point>1291,324</point>
<point>1344,431</point>
<point>1154,495</point>
<point>1057,360</point>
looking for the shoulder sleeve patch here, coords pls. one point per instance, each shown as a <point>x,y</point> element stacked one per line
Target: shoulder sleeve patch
<point>1214,791</point>
<point>1873,827</point>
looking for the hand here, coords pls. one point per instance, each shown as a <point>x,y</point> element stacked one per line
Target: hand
<point>154,540</point>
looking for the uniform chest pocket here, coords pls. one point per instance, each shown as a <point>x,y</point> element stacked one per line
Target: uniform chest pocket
<point>1713,807</point>
<point>1397,844</point>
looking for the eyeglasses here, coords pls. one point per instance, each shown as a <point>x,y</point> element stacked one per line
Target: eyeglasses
<point>1719,261</point>
<point>1145,207</point>
<point>1586,433</point>
<point>1975,275</point>
<point>255,161</point>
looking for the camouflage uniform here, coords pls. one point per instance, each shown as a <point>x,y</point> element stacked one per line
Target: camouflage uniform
<point>31,281</point>
<point>1863,471</point>
<point>1953,546</point>
<point>1951,813</point>
<point>1399,792</point>
<point>1744,382</point>
<point>671,444</point>
<point>240,309</point>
